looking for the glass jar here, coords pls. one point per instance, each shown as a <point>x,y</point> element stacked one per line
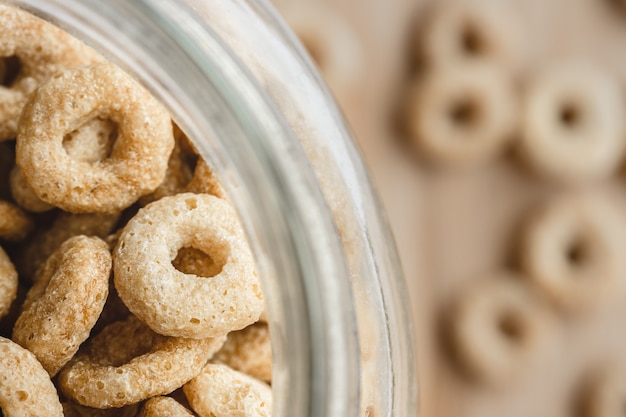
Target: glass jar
<point>240,86</point>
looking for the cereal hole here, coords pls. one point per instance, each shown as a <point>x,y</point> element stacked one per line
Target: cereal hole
<point>193,261</point>
<point>93,141</point>
<point>471,41</point>
<point>570,115</point>
<point>465,113</point>
<point>510,326</point>
<point>10,68</point>
<point>577,253</point>
<point>22,396</point>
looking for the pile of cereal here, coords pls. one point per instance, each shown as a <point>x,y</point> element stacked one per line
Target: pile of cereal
<point>126,281</point>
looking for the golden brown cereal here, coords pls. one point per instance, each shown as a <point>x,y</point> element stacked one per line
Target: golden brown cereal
<point>65,226</point>
<point>164,407</point>
<point>71,409</point>
<point>14,223</point>
<point>174,303</point>
<point>572,250</point>
<point>25,387</point>
<point>33,50</point>
<point>221,391</point>
<point>248,351</point>
<point>573,124</point>
<point>127,363</point>
<point>65,301</point>
<point>23,193</point>
<point>460,32</point>
<point>8,283</point>
<point>205,182</point>
<point>495,328</point>
<point>462,115</point>
<point>138,159</point>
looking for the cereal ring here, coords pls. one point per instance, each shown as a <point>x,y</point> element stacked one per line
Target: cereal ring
<point>462,115</point>
<point>14,223</point>
<point>23,193</point>
<point>139,156</point>
<point>164,407</point>
<point>8,283</point>
<point>127,363</point>
<point>32,50</point>
<point>200,307</point>
<point>221,391</point>
<point>496,327</point>
<point>460,32</point>
<point>65,226</point>
<point>248,351</point>
<point>572,250</point>
<point>25,387</point>
<point>71,409</point>
<point>573,124</point>
<point>205,182</point>
<point>66,300</point>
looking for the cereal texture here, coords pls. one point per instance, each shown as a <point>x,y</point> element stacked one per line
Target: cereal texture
<point>25,388</point>
<point>23,193</point>
<point>65,301</point>
<point>127,363</point>
<point>222,391</point>
<point>248,351</point>
<point>174,303</point>
<point>34,50</point>
<point>164,407</point>
<point>8,283</point>
<point>14,223</point>
<point>205,182</point>
<point>138,159</point>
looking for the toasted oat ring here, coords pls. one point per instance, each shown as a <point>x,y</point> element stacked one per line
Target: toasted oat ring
<point>32,50</point>
<point>174,303</point>
<point>71,409</point>
<point>495,328</point>
<point>204,181</point>
<point>572,250</point>
<point>65,302</point>
<point>573,126</point>
<point>462,115</point>
<point>127,362</point>
<point>25,387</point>
<point>14,223</point>
<point>8,283</point>
<point>458,32</point>
<point>139,156</point>
<point>248,351</point>
<point>164,407</point>
<point>220,391</point>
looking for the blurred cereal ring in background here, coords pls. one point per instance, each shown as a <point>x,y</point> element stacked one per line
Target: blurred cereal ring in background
<point>14,223</point>
<point>65,103</point>
<point>572,250</point>
<point>127,362</point>
<point>31,50</point>
<point>65,302</point>
<point>25,387</point>
<point>457,32</point>
<point>573,127</point>
<point>605,392</point>
<point>8,283</point>
<point>145,277</point>
<point>220,391</point>
<point>496,327</point>
<point>462,115</point>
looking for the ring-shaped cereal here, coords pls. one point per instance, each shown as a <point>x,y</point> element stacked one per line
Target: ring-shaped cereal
<point>138,159</point>
<point>8,283</point>
<point>25,387</point>
<point>71,409</point>
<point>496,327</point>
<point>174,303</point>
<point>573,127</point>
<point>459,32</point>
<point>34,50</point>
<point>572,250</point>
<point>248,351</point>
<point>162,407</point>
<point>127,362</point>
<point>462,115</point>
<point>65,301</point>
<point>14,223</point>
<point>220,391</point>
<point>23,193</point>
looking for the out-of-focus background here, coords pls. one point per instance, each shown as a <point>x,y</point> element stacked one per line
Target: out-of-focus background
<point>494,131</point>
